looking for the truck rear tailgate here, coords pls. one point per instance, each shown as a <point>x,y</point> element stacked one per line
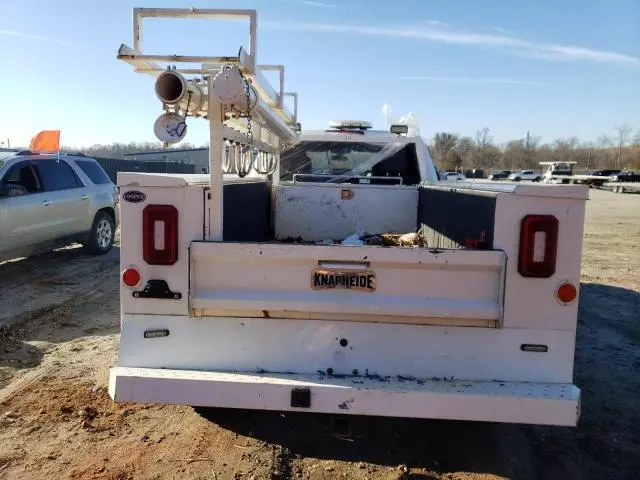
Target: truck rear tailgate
<point>371,284</point>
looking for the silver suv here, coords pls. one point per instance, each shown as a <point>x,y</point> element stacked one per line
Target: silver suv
<point>48,201</point>
<point>525,175</point>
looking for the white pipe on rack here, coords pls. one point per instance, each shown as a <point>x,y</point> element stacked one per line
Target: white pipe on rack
<point>274,122</point>
<point>173,89</point>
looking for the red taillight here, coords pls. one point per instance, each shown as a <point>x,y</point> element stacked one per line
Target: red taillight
<point>160,234</point>
<point>538,246</point>
<point>131,277</point>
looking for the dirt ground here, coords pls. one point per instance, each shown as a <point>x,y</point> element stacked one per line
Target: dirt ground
<point>59,329</point>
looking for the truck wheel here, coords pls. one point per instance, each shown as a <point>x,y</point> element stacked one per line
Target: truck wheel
<point>102,234</point>
<point>537,179</point>
<point>517,179</point>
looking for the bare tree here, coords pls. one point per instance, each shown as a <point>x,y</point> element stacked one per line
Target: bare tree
<point>487,154</point>
<point>514,155</point>
<point>483,139</point>
<point>587,154</point>
<point>623,131</point>
<point>465,148</point>
<point>604,144</point>
<point>565,149</point>
<point>443,144</point>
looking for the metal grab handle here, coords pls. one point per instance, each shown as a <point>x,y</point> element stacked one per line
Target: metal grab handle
<point>84,197</point>
<point>46,203</point>
<point>344,265</point>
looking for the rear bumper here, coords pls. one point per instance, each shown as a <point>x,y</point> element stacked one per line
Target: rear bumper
<point>509,402</point>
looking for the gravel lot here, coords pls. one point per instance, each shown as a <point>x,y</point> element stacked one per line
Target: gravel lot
<point>59,330</point>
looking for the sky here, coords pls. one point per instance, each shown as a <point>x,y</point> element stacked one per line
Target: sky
<point>555,68</point>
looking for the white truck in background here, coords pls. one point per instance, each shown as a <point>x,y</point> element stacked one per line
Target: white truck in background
<point>280,285</point>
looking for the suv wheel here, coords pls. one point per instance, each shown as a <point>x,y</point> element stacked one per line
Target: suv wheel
<point>102,234</point>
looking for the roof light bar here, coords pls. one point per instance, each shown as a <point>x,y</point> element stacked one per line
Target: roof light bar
<point>346,124</point>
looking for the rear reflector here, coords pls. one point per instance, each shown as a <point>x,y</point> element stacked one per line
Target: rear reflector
<point>160,234</point>
<point>131,277</point>
<point>538,246</point>
<point>566,293</point>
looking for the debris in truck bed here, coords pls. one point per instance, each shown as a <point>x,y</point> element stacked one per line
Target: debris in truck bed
<point>353,240</point>
<point>387,240</point>
<point>396,240</point>
<point>411,239</point>
<point>299,240</point>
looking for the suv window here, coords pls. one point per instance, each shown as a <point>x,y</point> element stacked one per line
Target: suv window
<point>94,171</point>
<point>22,178</point>
<point>57,175</point>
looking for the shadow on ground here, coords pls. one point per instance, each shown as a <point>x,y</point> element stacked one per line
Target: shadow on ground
<point>606,443</point>
<point>434,445</point>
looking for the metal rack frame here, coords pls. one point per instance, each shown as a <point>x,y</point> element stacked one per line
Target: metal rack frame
<point>273,115</point>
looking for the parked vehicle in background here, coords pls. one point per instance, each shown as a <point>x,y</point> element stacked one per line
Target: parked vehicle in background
<point>525,175</point>
<point>452,176</point>
<point>604,173</point>
<point>626,176</point>
<point>499,175</point>
<point>562,172</point>
<point>47,201</point>
<point>474,173</point>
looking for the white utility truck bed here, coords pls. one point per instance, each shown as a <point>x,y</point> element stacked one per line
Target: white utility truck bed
<point>347,279</point>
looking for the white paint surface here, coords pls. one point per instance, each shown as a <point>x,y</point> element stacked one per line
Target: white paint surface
<point>306,346</point>
<point>317,212</point>
<point>411,282</point>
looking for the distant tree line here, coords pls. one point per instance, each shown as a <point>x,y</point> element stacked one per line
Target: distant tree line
<point>119,150</point>
<point>451,151</point>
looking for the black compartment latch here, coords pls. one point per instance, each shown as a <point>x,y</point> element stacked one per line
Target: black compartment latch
<point>301,397</point>
<point>157,289</point>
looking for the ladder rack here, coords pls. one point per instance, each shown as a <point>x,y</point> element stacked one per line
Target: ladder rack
<point>223,104</point>
<point>246,61</point>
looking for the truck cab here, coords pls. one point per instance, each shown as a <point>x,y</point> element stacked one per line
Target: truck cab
<point>340,172</point>
<point>349,152</point>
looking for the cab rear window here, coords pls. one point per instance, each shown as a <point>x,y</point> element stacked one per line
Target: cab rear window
<point>94,171</point>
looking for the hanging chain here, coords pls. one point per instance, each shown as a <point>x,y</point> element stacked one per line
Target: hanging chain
<point>186,110</point>
<point>245,166</point>
<point>266,163</point>
<point>248,94</point>
<point>183,124</point>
